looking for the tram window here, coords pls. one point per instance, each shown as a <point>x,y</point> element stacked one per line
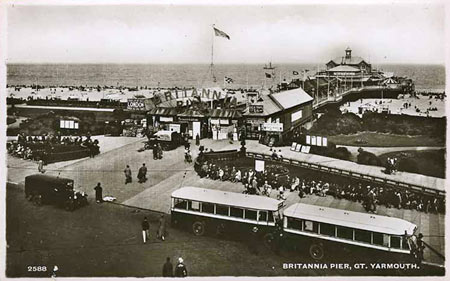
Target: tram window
<point>405,244</point>
<point>294,223</point>
<point>222,210</point>
<point>236,212</point>
<point>207,208</point>
<point>311,226</point>
<point>262,216</point>
<point>327,229</point>
<point>362,235</point>
<point>270,217</point>
<point>377,238</point>
<point>250,214</point>
<point>395,242</point>
<point>380,239</point>
<point>194,205</point>
<point>345,232</point>
<point>180,204</point>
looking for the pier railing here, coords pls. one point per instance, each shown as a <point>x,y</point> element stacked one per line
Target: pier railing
<point>350,174</point>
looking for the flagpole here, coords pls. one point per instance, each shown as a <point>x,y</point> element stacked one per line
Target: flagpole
<point>212,56</point>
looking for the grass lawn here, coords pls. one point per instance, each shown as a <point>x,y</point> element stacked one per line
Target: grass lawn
<point>429,162</point>
<point>385,140</point>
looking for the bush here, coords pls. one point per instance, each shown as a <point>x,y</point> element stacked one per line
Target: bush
<point>408,165</point>
<point>10,120</point>
<point>367,158</point>
<point>342,153</point>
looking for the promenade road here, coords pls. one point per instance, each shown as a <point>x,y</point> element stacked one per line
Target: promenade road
<point>170,173</point>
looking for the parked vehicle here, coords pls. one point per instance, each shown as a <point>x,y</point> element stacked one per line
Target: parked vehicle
<point>167,139</point>
<point>45,189</point>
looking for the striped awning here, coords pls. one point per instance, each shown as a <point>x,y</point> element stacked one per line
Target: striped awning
<point>163,111</point>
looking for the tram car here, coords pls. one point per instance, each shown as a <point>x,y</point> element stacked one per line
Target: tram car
<point>207,211</point>
<point>319,232</point>
<point>329,233</point>
<point>45,189</point>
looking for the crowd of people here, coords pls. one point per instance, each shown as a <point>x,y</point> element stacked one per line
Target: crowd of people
<point>277,180</point>
<point>39,147</point>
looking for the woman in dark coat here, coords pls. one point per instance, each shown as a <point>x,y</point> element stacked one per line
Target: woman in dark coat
<point>162,228</point>
<point>98,193</point>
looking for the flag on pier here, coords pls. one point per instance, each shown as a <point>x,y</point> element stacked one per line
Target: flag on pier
<point>220,33</point>
<point>228,80</point>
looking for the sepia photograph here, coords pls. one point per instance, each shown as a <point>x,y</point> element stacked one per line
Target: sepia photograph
<point>223,139</point>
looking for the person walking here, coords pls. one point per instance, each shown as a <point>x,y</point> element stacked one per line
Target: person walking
<point>159,151</point>
<point>41,166</point>
<point>142,174</point>
<point>145,229</point>
<point>162,228</point>
<point>155,152</point>
<point>197,140</point>
<point>180,270</point>
<point>127,172</point>
<point>167,268</point>
<point>98,193</point>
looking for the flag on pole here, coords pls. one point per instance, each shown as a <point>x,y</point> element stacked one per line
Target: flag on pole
<point>294,72</point>
<point>220,33</point>
<point>268,75</point>
<point>228,80</point>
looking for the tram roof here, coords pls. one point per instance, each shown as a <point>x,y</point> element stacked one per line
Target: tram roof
<point>370,222</point>
<point>227,198</point>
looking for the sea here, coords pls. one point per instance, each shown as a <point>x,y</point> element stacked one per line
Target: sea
<point>426,77</point>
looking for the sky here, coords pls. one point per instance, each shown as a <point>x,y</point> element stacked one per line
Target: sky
<point>387,33</point>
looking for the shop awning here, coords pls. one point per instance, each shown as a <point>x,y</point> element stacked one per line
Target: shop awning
<point>163,111</point>
<point>225,113</point>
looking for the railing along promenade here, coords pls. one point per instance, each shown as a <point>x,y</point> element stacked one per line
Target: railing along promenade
<point>338,96</point>
<point>350,174</point>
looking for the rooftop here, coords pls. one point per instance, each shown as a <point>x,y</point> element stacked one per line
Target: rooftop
<point>227,198</point>
<point>348,60</point>
<point>269,107</point>
<point>291,98</point>
<point>344,68</point>
<point>370,222</point>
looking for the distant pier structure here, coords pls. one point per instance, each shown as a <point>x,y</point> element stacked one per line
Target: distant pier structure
<point>349,78</point>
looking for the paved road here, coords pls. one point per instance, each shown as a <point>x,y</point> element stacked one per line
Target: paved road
<point>171,173</point>
<point>104,240</point>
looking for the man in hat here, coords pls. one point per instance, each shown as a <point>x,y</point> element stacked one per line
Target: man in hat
<point>127,172</point>
<point>162,228</point>
<point>142,174</point>
<point>253,240</point>
<point>98,193</point>
<point>145,228</point>
<point>167,268</point>
<point>180,269</point>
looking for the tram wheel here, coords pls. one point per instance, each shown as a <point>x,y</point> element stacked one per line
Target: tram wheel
<point>316,251</point>
<point>198,228</point>
<point>268,240</point>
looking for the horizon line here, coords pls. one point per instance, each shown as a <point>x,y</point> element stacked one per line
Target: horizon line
<point>206,63</point>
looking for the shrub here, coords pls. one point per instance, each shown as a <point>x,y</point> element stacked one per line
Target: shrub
<point>408,165</point>
<point>342,153</point>
<point>367,158</point>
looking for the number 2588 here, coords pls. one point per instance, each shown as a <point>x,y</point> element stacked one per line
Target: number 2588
<point>36,268</point>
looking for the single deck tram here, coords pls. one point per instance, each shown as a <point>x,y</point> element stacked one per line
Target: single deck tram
<point>224,213</point>
<point>325,231</point>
